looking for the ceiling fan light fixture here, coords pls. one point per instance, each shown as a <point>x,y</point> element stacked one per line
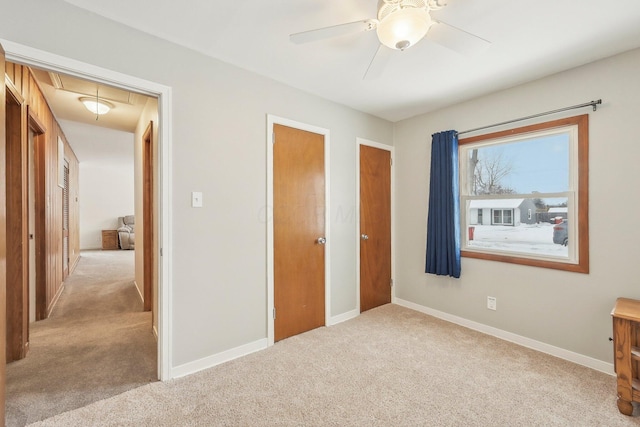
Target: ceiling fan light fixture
<point>404,27</point>
<point>99,107</point>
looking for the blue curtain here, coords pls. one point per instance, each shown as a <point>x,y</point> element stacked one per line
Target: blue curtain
<point>443,224</point>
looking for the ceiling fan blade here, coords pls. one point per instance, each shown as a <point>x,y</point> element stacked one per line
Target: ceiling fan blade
<point>333,31</point>
<point>456,39</point>
<point>378,63</point>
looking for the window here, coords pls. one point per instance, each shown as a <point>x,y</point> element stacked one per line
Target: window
<point>533,181</point>
<point>502,217</point>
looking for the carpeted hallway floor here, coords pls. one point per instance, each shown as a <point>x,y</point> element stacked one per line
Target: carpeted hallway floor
<point>97,343</point>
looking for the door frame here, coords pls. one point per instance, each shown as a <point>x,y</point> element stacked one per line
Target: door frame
<point>39,201</point>
<point>391,149</point>
<point>266,215</point>
<point>17,233</point>
<point>29,56</point>
<point>147,219</point>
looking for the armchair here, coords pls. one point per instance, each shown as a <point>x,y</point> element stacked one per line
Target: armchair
<point>126,233</point>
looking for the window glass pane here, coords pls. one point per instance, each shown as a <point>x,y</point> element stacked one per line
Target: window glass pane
<point>507,217</point>
<point>545,233</point>
<point>523,193</point>
<point>538,164</point>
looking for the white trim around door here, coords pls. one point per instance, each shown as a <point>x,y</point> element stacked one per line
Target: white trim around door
<point>391,150</point>
<point>268,217</point>
<point>38,58</point>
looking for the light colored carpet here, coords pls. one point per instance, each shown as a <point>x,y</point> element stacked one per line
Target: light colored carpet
<point>97,343</point>
<point>391,366</point>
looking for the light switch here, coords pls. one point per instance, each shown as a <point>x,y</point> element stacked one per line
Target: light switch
<point>196,199</point>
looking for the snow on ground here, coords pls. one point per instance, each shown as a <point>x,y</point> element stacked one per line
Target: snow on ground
<point>535,239</point>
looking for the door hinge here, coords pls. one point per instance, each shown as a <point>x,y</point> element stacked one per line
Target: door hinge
<point>160,251</point>
<point>274,313</point>
<point>391,283</point>
<point>273,138</point>
<point>390,161</point>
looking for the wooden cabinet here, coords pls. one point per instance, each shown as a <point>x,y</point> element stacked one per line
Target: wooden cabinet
<point>626,351</point>
<point>110,239</point>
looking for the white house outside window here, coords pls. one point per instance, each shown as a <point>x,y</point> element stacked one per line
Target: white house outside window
<point>524,195</point>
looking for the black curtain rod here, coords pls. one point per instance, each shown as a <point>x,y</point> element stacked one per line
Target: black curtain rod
<point>593,104</point>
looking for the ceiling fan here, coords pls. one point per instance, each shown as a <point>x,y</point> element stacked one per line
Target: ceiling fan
<point>400,24</point>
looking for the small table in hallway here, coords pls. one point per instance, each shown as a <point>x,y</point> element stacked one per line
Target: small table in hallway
<point>110,240</point>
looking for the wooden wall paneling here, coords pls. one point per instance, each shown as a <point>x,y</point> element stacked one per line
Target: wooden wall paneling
<point>49,250</point>
<point>18,78</point>
<point>3,245</point>
<point>10,72</point>
<point>17,230</point>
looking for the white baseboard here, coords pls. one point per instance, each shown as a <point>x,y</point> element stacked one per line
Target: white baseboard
<point>217,359</point>
<point>243,350</point>
<point>561,353</point>
<point>343,317</point>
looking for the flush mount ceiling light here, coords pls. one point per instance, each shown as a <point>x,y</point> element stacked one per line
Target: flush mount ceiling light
<point>403,27</point>
<point>96,106</point>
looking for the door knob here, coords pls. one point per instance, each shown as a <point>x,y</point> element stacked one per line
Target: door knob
<point>321,240</point>
<point>365,237</point>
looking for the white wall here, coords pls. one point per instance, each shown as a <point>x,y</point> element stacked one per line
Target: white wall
<point>219,148</point>
<point>566,310</point>
<point>106,178</point>
<point>106,192</point>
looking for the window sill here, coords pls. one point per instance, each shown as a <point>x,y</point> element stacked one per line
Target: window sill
<point>581,267</point>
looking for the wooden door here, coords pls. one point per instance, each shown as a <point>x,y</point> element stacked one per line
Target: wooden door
<point>299,227</point>
<point>375,227</point>
<point>3,237</point>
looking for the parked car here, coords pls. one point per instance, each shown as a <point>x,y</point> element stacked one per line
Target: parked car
<point>561,234</point>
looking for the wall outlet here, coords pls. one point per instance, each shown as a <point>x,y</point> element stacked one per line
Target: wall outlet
<point>491,303</point>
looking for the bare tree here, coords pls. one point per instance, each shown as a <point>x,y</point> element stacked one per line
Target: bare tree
<point>489,171</point>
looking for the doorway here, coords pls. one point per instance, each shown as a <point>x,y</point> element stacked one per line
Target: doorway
<point>32,57</point>
<point>298,290</point>
<point>375,224</point>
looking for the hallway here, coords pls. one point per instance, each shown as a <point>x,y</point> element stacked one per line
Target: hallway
<point>97,343</point>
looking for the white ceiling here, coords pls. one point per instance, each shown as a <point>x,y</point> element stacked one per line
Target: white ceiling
<point>63,94</point>
<point>528,39</point>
